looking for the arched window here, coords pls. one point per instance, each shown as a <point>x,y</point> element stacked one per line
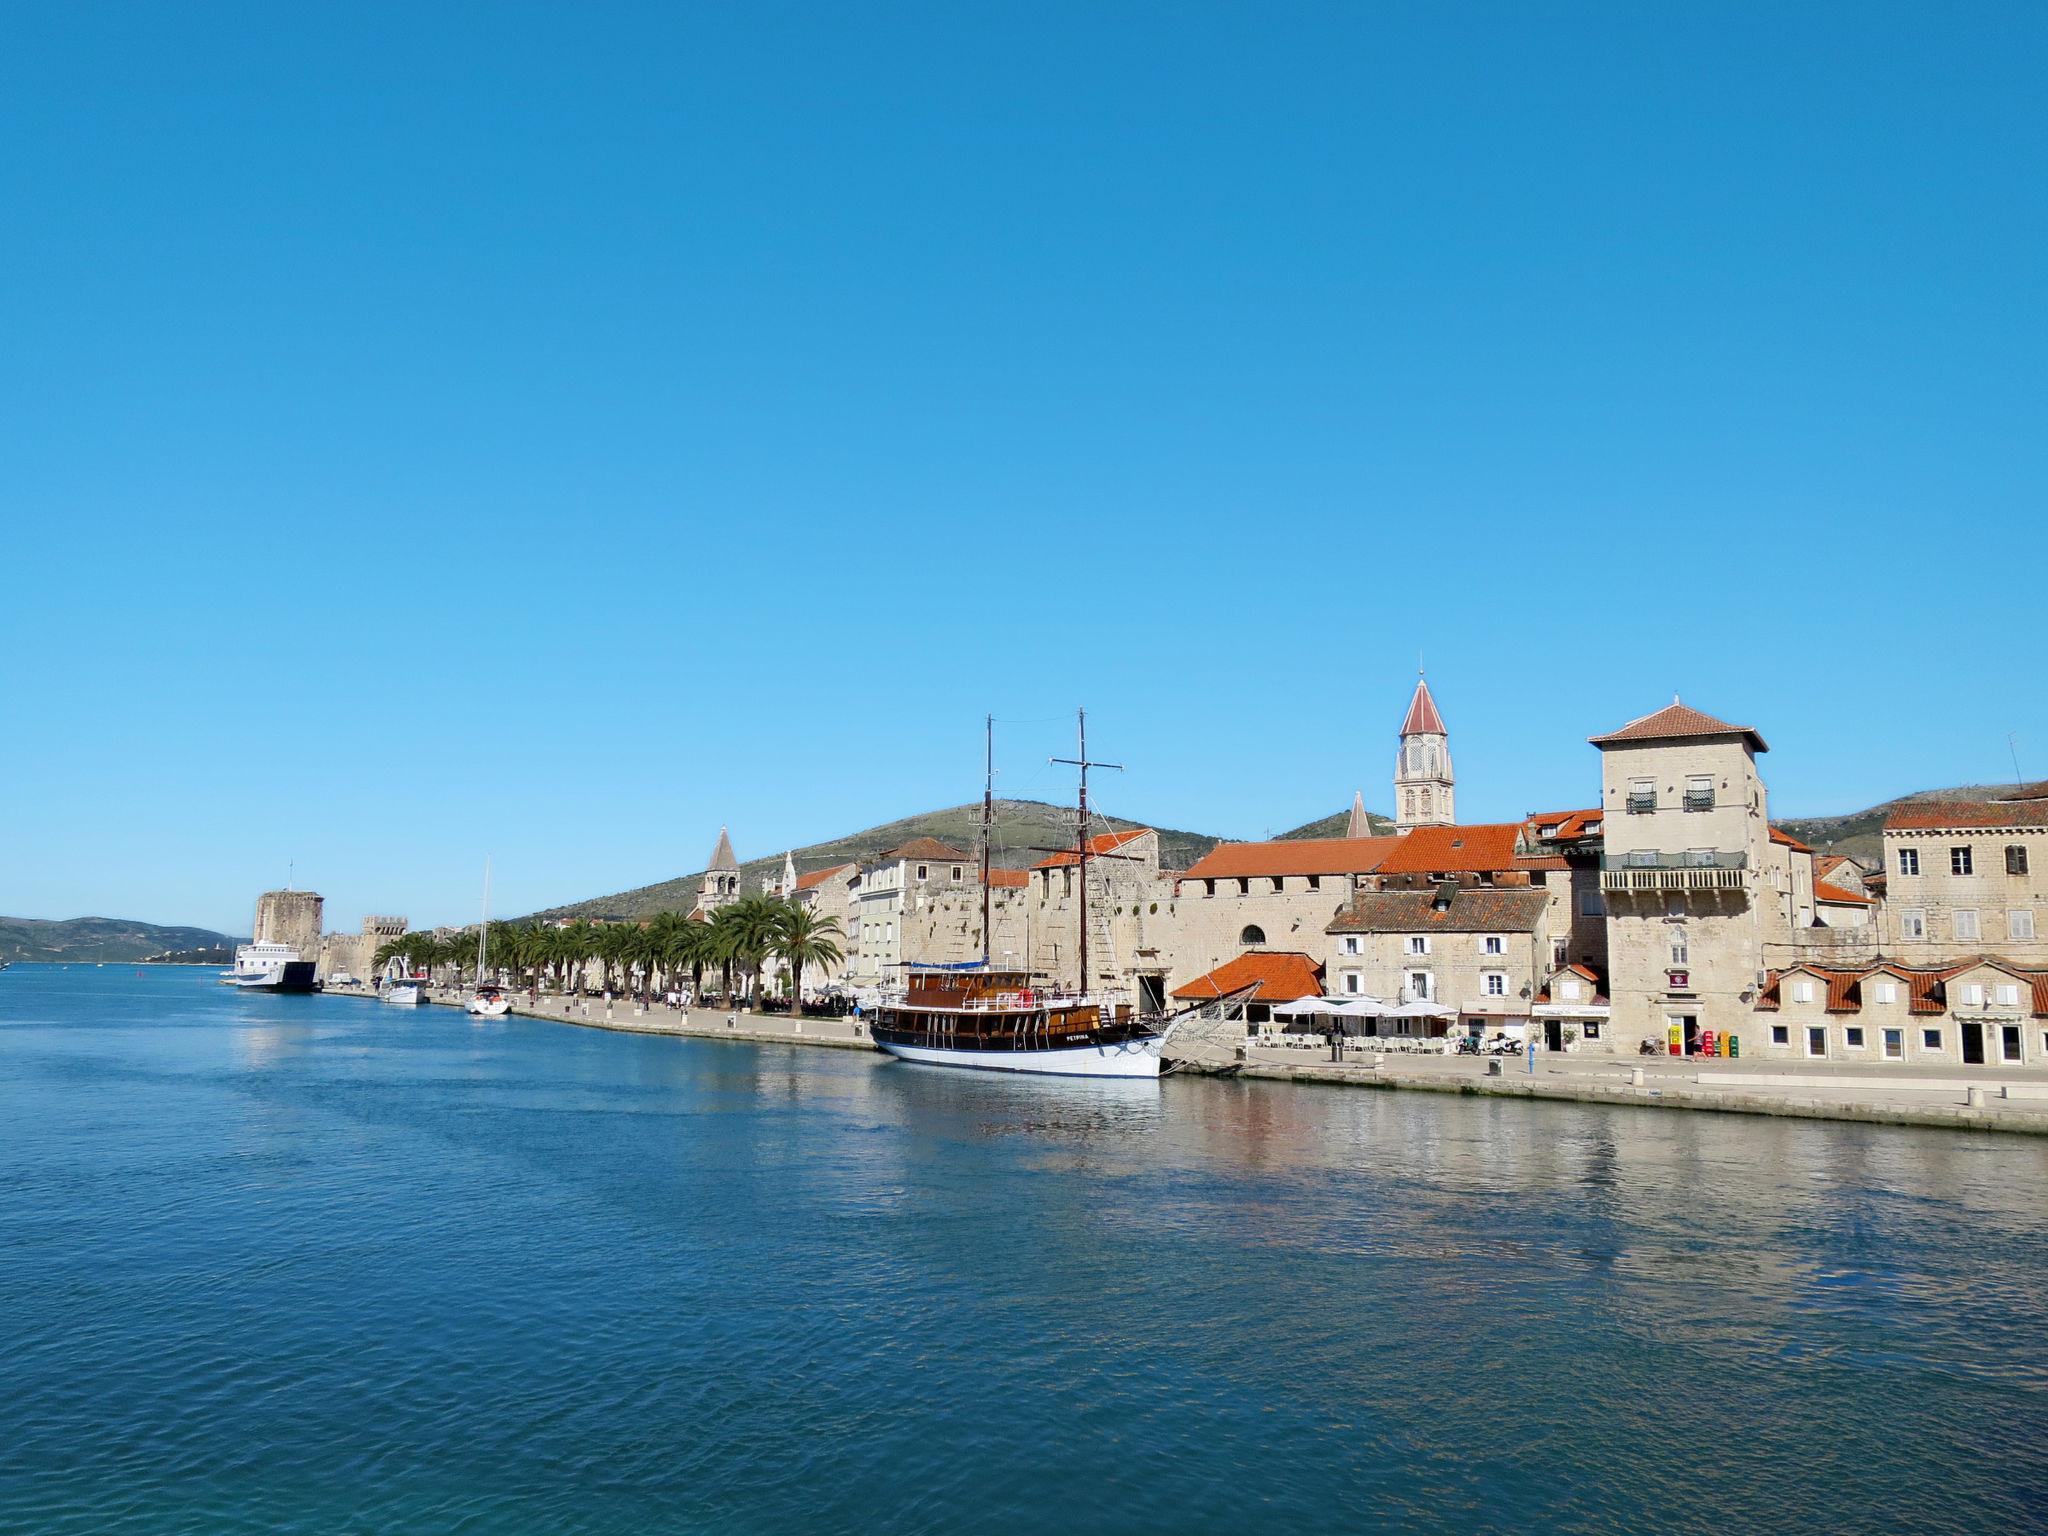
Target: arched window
<point>1253,934</point>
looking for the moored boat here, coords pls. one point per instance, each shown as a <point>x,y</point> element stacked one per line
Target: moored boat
<point>996,1021</point>
<point>405,991</point>
<point>270,967</point>
<point>973,1015</point>
<point>489,1003</point>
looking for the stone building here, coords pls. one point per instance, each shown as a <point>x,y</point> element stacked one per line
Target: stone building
<point>1424,785</point>
<point>1964,878</point>
<point>1479,952</point>
<point>1125,924</point>
<point>1688,874</point>
<point>1503,855</point>
<point>920,904</point>
<point>828,893</point>
<point>289,917</point>
<point>1980,1012</point>
<point>1260,896</point>
<point>355,954</point>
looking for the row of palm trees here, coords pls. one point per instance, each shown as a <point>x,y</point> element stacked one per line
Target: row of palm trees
<point>737,942</point>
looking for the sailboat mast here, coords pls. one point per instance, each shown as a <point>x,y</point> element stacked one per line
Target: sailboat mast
<point>1081,833</point>
<point>483,931</point>
<point>1081,845</point>
<point>988,817</point>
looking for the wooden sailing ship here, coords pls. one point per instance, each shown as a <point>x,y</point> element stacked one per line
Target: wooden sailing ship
<point>973,1015</point>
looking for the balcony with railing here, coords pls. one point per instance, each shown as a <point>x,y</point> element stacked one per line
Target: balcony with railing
<point>1642,801</point>
<point>1695,869</point>
<point>1699,799</point>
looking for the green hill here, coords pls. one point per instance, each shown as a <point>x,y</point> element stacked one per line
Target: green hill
<point>1024,829</point>
<point>1334,826</point>
<point>91,939</point>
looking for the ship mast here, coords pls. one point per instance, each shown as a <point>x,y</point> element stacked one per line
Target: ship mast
<point>1081,833</point>
<point>988,817</point>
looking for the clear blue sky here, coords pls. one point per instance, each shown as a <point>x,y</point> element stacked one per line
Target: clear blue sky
<point>554,431</point>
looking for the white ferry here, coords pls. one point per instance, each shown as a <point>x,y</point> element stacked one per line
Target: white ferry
<point>270,967</point>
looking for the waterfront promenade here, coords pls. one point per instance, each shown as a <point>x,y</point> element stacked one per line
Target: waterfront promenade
<point>2013,1100</point>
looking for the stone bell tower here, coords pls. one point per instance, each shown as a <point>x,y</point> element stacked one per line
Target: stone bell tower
<point>1424,784</point>
<point>722,880</point>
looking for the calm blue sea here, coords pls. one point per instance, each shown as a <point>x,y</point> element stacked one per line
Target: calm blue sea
<point>314,1265</point>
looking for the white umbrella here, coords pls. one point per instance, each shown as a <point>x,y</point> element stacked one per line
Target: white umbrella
<point>1363,1007</point>
<point>1420,1010</point>
<point>1307,1005</point>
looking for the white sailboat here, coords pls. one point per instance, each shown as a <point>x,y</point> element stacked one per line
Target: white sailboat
<point>487,1001</point>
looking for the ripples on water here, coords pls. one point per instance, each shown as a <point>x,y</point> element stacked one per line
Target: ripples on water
<point>304,1264</point>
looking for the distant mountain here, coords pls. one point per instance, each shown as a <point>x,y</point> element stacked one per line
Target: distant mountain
<point>90,939</point>
<point>1024,828</point>
<point>1860,834</point>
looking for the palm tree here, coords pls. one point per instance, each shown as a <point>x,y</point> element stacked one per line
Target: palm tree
<point>693,944</point>
<point>747,937</point>
<point>664,947</point>
<point>804,938</point>
<point>578,943</point>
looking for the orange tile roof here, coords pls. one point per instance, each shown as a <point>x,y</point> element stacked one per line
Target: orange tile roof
<point>1560,826</point>
<point>1274,976</point>
<point>1108,842</point>
<point>1486,848</point>
<point>1676,721</point>
<point>1787,840</point>
<point>1927,989</point>
<point>1827,890</point>
<point>1008,879</point>
<point>818,877</point>
<point>1937,814</point>
<point>1292,856</point>
<point>1584,973</point>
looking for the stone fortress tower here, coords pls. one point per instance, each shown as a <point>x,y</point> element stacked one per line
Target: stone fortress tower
<point>289,917</point>
<point>722,880</point>
<point>1424,784</point>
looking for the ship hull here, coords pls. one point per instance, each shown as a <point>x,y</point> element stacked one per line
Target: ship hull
<point>1126,1058</point>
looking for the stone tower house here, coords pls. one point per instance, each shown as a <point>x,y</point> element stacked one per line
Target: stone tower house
<point>1687,873</point>
<point>1423,781</point>
<point>722,880</point>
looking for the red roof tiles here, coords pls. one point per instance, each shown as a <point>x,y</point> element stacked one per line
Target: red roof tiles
<point>818,877</point>
<point>1486,848</point>
<point>1935,815</point>
<point>1787,840</point>
<point>1827,890</point>
<point>1422,716</point>
<point>1274,976</point>
<point>1292,856</point>
<point>1108,842</point>
<point>1676,721</point>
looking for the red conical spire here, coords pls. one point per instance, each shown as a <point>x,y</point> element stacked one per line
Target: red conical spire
<point>1423,720</point>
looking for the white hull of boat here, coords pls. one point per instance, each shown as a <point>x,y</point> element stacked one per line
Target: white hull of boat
<point>494,1008</point>
<point>404,994</point>
<point>1133,1058</point>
